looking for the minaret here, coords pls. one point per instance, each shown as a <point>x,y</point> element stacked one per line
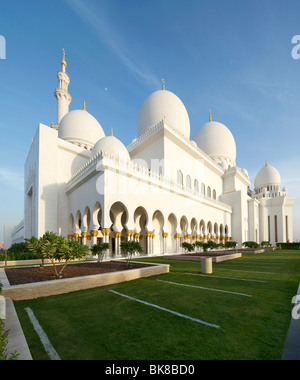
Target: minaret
<point>61,93</point>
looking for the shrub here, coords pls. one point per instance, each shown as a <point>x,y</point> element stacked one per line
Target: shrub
<point>230,244</point>
<point>295,245</point>
<point>250,244</point>
<point>265,244</point>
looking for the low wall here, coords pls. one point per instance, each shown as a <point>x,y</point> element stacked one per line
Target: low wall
<point>215,259</point>
<point>48,288</point>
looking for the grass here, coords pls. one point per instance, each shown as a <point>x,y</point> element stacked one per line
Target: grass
<point>97,324</point>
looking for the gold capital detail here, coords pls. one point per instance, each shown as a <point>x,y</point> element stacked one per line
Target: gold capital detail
<point>94,233</point>
<point>165,235</point>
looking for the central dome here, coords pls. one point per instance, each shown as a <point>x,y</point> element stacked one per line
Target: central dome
<point>216,140</point>
<point>80,127</point>
<point>165,105</point>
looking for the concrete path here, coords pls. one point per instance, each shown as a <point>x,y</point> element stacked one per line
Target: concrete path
<point>292,345</point>
<point>16,339</point>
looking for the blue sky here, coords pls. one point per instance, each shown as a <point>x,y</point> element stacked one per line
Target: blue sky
<point>231,56</point>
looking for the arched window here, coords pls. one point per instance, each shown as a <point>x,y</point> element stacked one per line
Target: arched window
<point>214,194</point>
<point>180,178</point>
<point>209,192</point>
<point>188,182</point>
<point>196,186</point>
<point>202,189</point>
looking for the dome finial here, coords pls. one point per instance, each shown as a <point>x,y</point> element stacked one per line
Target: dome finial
<point>63,61</point>
<point>163,84</point>
<point>84,106</point>
<point>111,131</point>
<point>210,118</point>
<point>266,163</point>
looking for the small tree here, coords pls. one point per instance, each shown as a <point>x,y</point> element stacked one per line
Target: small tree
<point>209,245</point>
<point>73,250</point>
<point>199,244</point>
<point>57,248</point>
<point>188,247</point>
<point>129,248</point>
<point>99,250</point>
<point>35,245</point>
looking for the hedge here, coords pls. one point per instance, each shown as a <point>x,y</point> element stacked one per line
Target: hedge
<point>288,245</point>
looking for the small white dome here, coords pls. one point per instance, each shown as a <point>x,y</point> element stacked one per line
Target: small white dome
<point>216,140</point>
<point>80,127</point>
<point>267,176</point>
<point>112,146</point>
<point>165,105</point>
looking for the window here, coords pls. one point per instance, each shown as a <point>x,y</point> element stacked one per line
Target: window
<point>188,182</point>
<point>196,186</point>
<point>209,192</point>
<point>180,178</point>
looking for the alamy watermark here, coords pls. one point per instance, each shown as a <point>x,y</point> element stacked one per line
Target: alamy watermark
<point>2,47</point>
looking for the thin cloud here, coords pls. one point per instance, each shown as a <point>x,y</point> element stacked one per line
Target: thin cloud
<point>113,40</point>
<point>12,179</point>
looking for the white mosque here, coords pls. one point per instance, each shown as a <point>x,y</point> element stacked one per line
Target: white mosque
<point>161,190</point>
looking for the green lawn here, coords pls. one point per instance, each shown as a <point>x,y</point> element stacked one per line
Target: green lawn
<point>98,324</point>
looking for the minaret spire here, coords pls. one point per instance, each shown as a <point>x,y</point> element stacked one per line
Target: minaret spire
<point>61,93</point>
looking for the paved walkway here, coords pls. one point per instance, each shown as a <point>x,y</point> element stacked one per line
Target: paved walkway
<point>292,346</point>
<point>16,339</point>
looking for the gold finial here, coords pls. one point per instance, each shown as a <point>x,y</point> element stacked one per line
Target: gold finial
<point>63,61</point>
<point>84,106</point>
<point>266,163</point>
<point>163,84</point>
<point>111,131</point>
<point>210,118</point>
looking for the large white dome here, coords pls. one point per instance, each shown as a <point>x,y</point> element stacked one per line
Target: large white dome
<point>216,140</point>
<point>112,146</point>
<point>267,176</point>
<point>161,105</point>
<point>80,127</point>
